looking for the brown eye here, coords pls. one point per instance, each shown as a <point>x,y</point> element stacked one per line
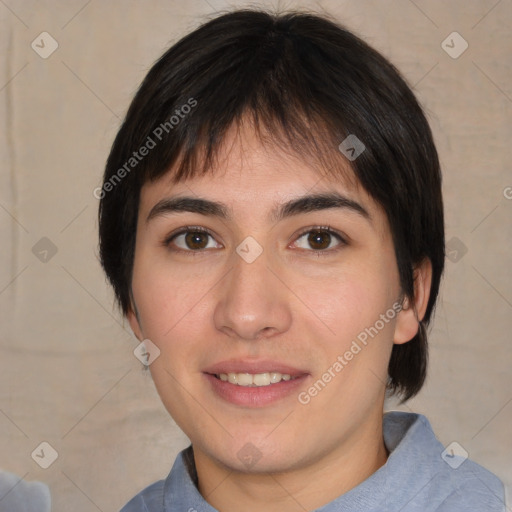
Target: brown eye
<point>319,239</point>
<point>191,240</point>
<point>196,240</point>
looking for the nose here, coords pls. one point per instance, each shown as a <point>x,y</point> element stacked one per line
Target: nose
<point>252,302</point>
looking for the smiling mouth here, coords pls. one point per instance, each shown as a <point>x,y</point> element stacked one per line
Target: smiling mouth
<point>254,379</point>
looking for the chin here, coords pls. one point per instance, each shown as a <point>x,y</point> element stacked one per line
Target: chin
<point>253,457</point>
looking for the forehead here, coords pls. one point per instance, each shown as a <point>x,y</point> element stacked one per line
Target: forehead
<point>252,175</point>
<point>246,159</point>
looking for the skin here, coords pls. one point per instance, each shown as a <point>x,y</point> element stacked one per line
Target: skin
<point>292,304</point>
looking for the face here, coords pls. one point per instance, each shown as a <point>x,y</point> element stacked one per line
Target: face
<point>274,323</point>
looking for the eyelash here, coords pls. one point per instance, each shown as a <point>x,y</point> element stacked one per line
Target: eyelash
<point>198,229</point>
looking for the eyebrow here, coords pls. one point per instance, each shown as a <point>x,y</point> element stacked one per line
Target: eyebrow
<point>304,204</point>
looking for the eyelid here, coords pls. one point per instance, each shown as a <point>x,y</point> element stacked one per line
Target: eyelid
<point>185,229</point>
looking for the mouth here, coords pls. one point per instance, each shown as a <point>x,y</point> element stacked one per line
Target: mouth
<point>252,383</point>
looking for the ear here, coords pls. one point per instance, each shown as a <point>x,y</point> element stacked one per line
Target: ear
<point>134,324</point>
<point>408,319</point>
<point>133,318</point>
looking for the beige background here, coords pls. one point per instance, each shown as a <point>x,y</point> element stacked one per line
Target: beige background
<point>67,372</point>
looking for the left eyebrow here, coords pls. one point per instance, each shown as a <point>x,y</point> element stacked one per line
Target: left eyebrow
<point>304,204</point>
<point>318,202</point>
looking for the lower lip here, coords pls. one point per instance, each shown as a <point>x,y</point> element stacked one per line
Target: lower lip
<point>250,396</point>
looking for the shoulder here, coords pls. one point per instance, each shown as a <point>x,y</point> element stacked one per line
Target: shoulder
<point>436,478</point>
<point>473,488</point>
<point>150,499</point>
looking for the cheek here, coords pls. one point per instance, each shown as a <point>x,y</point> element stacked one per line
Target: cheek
<point>172,314</point>
<point>166,297</point>
<point>350,301</point>
<point>357,347</point>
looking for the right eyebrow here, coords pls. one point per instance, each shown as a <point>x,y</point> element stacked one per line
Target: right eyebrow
<point>188,204</point>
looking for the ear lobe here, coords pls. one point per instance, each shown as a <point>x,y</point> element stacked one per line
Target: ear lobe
<point>412,313</point>
<point>134,323</point>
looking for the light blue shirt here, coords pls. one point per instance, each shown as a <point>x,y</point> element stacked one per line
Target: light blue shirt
<point>415,478</point>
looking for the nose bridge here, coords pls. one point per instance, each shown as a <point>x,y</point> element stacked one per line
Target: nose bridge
<point>249,277</point>
<point>250,300</point>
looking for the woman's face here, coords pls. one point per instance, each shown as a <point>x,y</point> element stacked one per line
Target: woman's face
<point>259,305</point>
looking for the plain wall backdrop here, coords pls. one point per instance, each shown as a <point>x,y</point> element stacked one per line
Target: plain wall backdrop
<point>68,375</point>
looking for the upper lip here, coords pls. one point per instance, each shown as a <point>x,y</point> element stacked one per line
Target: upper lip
<point>254,367</point>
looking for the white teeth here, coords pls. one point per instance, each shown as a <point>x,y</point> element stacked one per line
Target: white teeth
<point>261,379</point>
<point>243,379</point>
<point>255,380</point>
<point>276,377</point>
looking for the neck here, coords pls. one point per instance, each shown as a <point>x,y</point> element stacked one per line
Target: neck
<point>307,487</point>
